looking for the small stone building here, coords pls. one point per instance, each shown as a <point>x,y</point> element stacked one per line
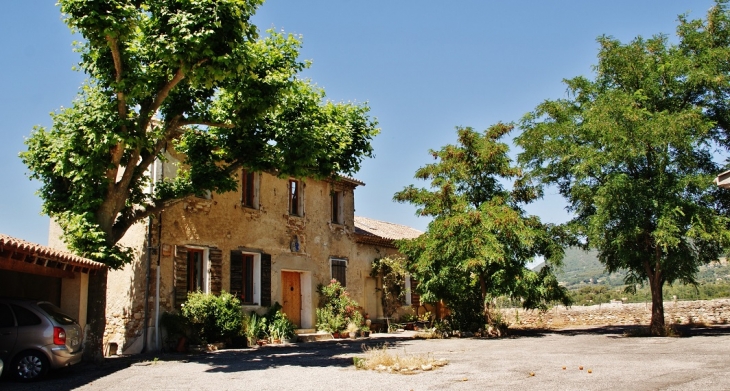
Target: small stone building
<point>274,240</point>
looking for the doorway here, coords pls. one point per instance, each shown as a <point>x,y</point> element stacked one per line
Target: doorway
<point>291,295</point>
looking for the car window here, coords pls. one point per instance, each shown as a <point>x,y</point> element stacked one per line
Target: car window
<point>25,316</point>
<point>6,316</point>
<point>56,314</point>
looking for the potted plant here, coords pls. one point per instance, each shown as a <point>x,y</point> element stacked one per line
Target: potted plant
<point>352,329</point>
<point>254,328</point>
<point>424,321</point>
<point>365,331</point>
<point>281,328</point>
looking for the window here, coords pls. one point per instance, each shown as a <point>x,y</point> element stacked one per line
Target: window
<point>339,270</point>
<point>337,207</point>
<point>196,270</point>
<point>24,316</point>
<point>56,314</point>
<point>249,189</point>
<point>6,317</point>
<point>295,197</point>
<point>246,277</point>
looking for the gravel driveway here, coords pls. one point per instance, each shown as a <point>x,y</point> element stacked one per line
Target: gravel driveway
<point>695,362</point>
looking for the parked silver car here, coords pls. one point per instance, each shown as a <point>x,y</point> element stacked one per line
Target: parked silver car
<point>36,336</point>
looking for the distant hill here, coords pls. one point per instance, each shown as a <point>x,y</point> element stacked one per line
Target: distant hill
<point>581,268</point>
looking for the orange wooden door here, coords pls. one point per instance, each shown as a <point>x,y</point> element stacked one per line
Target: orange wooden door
<point>292,296</point>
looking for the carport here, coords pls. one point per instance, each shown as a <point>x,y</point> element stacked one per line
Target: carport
<point>29,270</point>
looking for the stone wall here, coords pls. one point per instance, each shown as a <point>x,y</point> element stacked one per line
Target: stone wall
<point>700,311</point>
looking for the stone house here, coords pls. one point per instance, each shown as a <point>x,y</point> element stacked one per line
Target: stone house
<point>274,240</point>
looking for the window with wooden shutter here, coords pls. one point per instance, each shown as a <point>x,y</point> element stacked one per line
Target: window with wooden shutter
<point>266,280</point>
<point>245,277</point>
<point>336,203</point>
<point>295,197</point>
<point>196,271</point>
<point>339,270</point>
<point>249,189</point>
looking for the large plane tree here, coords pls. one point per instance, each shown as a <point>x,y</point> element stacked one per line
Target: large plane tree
<point>192,75</point>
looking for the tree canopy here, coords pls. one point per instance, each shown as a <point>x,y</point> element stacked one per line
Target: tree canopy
<point>480,239</point>
<point>194,76</point>
<point>191,75</point>
<point>634,152</point>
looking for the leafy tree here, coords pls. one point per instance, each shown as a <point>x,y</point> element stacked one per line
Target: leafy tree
<point>480,239</point>
<point>632,152</point>
<point>192,75</point>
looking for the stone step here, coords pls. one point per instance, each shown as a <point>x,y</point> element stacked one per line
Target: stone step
<point>304,331</point>
<point>311,337</point>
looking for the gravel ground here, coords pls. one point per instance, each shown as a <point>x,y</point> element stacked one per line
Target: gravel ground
<point>697,361</point>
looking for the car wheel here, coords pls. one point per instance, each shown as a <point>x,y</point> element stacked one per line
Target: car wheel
<point>30,365</point>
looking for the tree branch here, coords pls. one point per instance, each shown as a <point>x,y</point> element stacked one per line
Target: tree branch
<point>118,151</point>
<point>147,159</point>
<point>124,223</point>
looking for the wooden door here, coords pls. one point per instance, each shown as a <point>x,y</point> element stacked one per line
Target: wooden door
<point>292,296</point>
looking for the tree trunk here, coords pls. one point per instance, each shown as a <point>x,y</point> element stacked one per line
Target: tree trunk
<point>96,316</point>
<point>657,306</point>
<point>487,312</point>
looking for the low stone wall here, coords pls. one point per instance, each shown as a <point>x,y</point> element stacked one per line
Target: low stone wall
<point>700,311</point>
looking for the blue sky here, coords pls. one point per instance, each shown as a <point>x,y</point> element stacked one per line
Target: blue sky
<point>423,66</point>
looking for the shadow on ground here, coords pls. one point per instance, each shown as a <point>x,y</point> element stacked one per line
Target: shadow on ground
<point>318,354</point>
<point>334,353</point>
<point>684,331</point>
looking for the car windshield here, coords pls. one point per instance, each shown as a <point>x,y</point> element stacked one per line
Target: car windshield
<point>56,314</point>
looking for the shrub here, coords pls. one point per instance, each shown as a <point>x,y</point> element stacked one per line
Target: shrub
<point>280,327</point>
<point>254,328</point>
<point>214,318</point>
<point>337,308</point>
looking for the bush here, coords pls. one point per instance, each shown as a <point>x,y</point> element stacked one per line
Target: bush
<point>280,327</point>
<point>214,318</point>
<point>337,308</point>
<point>254,328</point>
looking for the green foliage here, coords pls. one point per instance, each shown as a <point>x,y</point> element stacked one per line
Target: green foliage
<point>336,308</point>
<point>280,327</point>
<point>633,152</point>
<point>392,272</point>
<point>192,75</point>
<point>254,327</point>
<point>215,318</point>
<point>597,294</point>
<point>480,239</point>
<point>176,327</point>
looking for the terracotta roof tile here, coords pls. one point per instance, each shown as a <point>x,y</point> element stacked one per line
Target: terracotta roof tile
<point>351,180</point>
<point>48,252</point>
<point>383,229</point>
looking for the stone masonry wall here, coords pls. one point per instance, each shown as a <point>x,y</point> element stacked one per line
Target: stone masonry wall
<point>700,311</point>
